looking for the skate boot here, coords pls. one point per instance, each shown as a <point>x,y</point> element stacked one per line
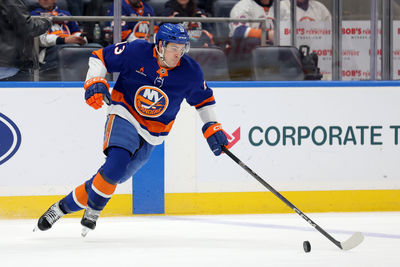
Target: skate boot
<point>52,215</point>
<point>89,220</point>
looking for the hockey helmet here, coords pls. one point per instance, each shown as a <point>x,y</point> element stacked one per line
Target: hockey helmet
<point>172,33</point>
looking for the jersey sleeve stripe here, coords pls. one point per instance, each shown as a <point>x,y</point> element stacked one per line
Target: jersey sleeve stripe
<point>125,34</point>
<point>206,102</point>
<point>255,33</point>
<point>99,55</point>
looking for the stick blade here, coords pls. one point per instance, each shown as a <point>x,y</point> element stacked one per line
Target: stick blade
<point>353,241</point>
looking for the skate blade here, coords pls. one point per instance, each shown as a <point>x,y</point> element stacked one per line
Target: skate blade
<point>36,228</point>
<point>85,231</point>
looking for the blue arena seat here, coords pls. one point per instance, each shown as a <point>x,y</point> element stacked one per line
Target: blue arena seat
<point>212,61</point>
<point>157,5</point>
<point>276,63</point>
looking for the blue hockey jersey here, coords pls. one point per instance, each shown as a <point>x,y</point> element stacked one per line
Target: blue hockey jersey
<point>135,29</point>
<point>150,96</point>
<point>59,28</point>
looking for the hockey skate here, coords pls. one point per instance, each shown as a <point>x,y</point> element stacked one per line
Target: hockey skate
<point>52,215</point>
<point>89,220</point>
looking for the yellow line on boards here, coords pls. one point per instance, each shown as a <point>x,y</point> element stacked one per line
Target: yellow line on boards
<point>24,207</point>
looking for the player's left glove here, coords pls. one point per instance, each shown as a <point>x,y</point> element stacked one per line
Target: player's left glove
<point>96,90</point>
<point>215,136</point>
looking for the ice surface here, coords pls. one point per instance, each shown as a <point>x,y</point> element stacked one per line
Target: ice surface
<point>220,240</point>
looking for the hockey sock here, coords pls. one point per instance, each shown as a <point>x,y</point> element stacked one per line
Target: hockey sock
<point>76,200</point>
<point>101,191</point>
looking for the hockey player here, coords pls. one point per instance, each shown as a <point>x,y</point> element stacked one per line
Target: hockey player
<point>153,81</point>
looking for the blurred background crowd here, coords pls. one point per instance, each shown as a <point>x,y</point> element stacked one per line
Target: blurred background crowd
<point>226,50</point>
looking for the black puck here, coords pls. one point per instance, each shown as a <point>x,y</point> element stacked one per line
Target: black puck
<point>307,246</point>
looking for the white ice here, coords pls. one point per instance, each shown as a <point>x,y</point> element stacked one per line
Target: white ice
<point>220,240</point>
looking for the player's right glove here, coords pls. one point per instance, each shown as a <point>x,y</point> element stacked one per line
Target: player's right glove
<point>216,138</point>
<point>96,90</point>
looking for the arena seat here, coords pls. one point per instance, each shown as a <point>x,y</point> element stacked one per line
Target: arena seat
<point>222,8</point>
<point>157,5</point>
<point>212,61</point>
<point>276,63</point>
<point>239,58</point>
<point>73,62</point>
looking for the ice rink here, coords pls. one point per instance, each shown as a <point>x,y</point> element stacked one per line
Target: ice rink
<point>221,240</point>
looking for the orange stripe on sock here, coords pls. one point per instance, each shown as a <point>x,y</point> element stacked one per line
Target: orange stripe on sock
<point>81,194</point>
<point>103,186</point>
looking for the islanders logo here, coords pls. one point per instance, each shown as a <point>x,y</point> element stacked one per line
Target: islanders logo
<point>141,30</point>
<point>151,101</point>
<point>10,138</point>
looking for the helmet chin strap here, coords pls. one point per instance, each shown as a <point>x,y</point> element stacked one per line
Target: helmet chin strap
<point>162,55</point>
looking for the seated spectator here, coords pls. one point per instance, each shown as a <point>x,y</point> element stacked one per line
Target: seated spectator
<point>135,29</point>
<point>17,29</point>
<point>250,9</point>
<point>306,10</point>
<point>60,33</point>
<point>198,32</point>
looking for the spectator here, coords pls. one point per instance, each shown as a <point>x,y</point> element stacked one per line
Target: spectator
<point>60,33</point>
<point>135,29</point>
<point>306,10</point>
<point>198,32</point>
<point>17,29</point>
<point>250,9</point>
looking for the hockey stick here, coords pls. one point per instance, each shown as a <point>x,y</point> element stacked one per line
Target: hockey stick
<point>350,243</point>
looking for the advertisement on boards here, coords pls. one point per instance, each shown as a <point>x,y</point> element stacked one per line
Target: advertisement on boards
<point>320,138</point>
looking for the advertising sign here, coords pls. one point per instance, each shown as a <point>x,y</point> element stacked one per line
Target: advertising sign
<point>318,138</point>
<point>356,45</point>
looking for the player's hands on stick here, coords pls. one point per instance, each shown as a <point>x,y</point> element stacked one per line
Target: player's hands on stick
<point>96,90</point>
<point>216,138</point>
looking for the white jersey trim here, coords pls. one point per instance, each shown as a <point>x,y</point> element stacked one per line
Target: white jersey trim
<point>100,193</point>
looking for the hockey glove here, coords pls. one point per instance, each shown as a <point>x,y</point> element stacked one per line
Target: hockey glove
<point>215,136</point>
<point>97,91</point>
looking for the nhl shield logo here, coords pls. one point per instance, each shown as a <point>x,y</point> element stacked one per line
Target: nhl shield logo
<point>158,82</point>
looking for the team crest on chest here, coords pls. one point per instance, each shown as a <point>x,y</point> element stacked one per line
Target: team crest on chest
<point>151,101</point>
